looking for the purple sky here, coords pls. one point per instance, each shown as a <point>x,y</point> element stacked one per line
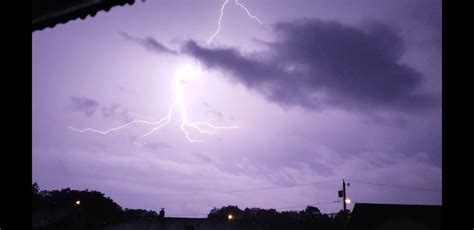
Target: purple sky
<point>323,90</point>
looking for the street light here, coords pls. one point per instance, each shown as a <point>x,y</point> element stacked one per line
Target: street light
<point>230,217</point>
<point>348,201</point>
<point>78,202</point>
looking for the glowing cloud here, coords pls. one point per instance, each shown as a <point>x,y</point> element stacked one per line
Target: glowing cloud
<point>184,73</point>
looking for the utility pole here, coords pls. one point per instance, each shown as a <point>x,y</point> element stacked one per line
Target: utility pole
<point>345,201</point>
<point>344,194</point>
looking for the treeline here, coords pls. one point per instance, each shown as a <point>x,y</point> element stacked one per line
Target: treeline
<point>309,218</point>
<point>60,209</point>
<point>73,209</point>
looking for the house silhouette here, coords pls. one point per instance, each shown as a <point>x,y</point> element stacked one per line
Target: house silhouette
<point>395,216</point>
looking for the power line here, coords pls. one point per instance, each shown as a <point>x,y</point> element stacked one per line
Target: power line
<point>227,192</point>
<point>321,203</point>
<point>280,187</point>
<point>396,186</point>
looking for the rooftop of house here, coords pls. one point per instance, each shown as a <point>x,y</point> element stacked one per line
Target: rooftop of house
<point>392,216</point>
<point>49,13</point>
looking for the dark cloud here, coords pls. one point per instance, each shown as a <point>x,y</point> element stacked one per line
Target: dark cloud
<point>317,64</point>
<point>86,105</point>
<point>110,111</point>
<point>150,44</point>
<point>116,111</point>
<point>393,120</point>
<point>204,158</point>
<point>211,110</point>
<point>90,106</point>
<point>157,145</point>
<point>216,114</point>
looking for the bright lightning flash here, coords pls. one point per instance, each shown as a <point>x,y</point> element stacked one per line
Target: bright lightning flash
<point>184,74</point>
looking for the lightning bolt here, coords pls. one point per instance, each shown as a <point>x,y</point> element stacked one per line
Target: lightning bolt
<point>218,23</point>
<point>222,15</point>
<point>182,75</point>
<point>248,12</point>
<point>185,73</point>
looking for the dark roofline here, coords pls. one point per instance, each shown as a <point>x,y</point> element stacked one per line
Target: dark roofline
<point>366,216</point>
<point>185,218</point>
<point>49,13</point>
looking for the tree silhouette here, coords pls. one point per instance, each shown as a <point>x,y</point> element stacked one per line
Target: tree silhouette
<point>73,209</point>
<point>309,218</point>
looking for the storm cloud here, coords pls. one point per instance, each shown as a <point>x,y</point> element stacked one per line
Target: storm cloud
<point>83,104</point>
<point>89,107</point>
<point>149,43</point>
<point>354,93</point>
<point>318,64</point>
